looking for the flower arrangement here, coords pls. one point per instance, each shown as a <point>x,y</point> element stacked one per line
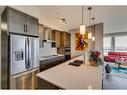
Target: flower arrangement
<point>94,58</point>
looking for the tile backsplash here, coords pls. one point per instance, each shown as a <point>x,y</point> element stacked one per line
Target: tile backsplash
<point>47,49</point>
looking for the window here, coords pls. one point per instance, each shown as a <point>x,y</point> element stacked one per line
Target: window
<point>107,45</point>
<point>121,43</point>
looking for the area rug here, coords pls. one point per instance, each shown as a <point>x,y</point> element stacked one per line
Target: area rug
<point>121,72</point>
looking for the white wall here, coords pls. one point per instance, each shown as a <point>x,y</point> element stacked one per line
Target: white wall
<point>98,41</point>
<point>99,38</point>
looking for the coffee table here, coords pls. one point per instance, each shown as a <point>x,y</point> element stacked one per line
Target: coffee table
<point>120,62</point>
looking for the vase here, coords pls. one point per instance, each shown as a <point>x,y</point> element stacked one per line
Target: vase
<point>93,63</point>
<point>108,68</point>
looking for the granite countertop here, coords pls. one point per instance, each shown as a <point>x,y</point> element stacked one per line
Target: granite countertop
<point>70,77</point>
<point>47,57</point>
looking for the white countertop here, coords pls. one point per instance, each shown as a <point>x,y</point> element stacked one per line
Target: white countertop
<point>72,77</point>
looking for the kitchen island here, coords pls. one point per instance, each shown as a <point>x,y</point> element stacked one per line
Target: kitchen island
<point>71,77</point>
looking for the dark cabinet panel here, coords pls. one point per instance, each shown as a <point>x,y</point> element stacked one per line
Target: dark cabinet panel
<point>46,64</point>
<point>43,84</point>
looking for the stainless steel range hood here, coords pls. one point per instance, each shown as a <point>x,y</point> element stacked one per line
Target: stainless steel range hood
<point>48,35</point>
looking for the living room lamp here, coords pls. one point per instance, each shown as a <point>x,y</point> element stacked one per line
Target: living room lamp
<point>82,26</point>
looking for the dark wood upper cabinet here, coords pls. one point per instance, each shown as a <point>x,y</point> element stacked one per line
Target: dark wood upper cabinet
<point>53,35</point>
<point>56,36</point>
<point>58,41</point>
<point>67,39</point>
<point>62,38</point>
<point>21,23</point>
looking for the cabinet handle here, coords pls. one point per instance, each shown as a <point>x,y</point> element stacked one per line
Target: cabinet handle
<point>24,28</point>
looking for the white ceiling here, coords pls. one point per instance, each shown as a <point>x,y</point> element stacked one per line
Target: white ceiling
<point>113,17</point>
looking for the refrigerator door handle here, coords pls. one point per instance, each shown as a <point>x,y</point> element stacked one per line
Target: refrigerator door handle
<point>29,54</point>
<point>26,54</point>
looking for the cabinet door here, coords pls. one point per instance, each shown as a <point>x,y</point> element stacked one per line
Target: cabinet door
<point>62,39</point>
<point>48,33</point>
<point>41,32</point>
<point>58,43</point>
<point>41,35</point>
<point>32,26</point>
<point>53,35</point>
<point>16,21</point>
<point>67,39</point>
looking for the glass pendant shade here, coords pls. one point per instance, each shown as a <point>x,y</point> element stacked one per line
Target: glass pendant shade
<point>82,29</point>
<point>93,38</point>
<point>89,35</point>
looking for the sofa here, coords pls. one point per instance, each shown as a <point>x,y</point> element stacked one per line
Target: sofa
<point>112,56</point>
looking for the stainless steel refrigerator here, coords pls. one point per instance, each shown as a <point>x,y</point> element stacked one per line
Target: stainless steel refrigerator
<point>24,53</point>
<point>24,61</point>
<point>20,61</point>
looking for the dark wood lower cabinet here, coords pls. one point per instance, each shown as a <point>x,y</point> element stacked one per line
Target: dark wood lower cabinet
<point>43,84</point>
<point>47,64</point>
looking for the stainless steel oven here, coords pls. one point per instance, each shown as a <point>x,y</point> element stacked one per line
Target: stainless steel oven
<point>67,53</point>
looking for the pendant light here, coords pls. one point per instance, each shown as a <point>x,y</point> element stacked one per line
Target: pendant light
<point>93,38</point>
<point>82,26</point>
<point>89,32</point>
<point>90,35</point>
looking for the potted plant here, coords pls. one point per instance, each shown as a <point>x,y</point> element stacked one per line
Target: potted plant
<point>94,58</point>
